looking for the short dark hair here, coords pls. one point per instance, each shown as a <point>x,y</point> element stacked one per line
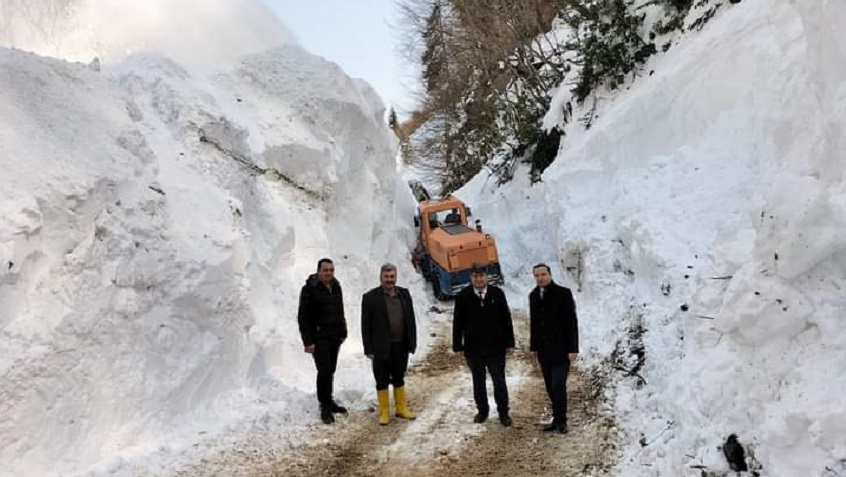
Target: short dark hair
<point>544,266</point>
<point>322,261</point>
<point>478,269</point>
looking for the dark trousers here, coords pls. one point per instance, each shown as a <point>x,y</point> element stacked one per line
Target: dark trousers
<point>326,359</point>
<point>391,370</point>
<point>555,378</point>
<point>479,366</point>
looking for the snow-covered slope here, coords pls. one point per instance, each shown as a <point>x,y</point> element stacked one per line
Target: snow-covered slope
<point>715,186</point>
<point>149,278</point>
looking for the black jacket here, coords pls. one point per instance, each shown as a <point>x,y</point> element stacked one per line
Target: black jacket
<point>478,329</point>
<point>553,322</point>
<point>321,313</point>
<point>375,325</point>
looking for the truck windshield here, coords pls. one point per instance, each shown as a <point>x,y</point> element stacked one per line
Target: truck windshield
<point>444,217</point>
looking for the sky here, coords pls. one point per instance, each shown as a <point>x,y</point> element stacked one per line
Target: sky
<point>360,36</point>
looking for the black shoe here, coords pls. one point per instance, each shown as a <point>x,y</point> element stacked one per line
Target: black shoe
<point>326,415</point>
<point>335,408</point>
<point>552,426</point>
<point>480,417</point>
<point>505,420</point>
<point>562,428</point>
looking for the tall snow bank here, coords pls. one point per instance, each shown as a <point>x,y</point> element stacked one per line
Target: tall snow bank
<point>194,33</point>
<point>155,230</point>
<point>714,186</point>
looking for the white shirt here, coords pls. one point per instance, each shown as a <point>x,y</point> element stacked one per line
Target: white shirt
<point>481,293</point>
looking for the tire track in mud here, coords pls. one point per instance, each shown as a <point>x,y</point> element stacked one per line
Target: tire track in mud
<point>370,449</point>
<point>443,441</point>
<point>445,444</point>
<point>525,450</point>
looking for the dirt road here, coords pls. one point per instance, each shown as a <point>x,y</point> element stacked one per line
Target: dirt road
<point>443,440</point>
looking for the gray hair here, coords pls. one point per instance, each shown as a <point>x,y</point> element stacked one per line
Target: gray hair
<point>388,267</point>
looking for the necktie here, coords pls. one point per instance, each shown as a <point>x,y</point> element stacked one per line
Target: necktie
<point>482,297</point>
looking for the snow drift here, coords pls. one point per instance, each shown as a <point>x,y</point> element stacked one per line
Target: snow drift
<point>156,228</point>
<point>704,214</point>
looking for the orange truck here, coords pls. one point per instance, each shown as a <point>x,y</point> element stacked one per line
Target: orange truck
<point>447,248</point>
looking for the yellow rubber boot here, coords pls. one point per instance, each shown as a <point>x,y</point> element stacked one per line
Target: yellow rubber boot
<point>403,412</point>
<point>384,407</point>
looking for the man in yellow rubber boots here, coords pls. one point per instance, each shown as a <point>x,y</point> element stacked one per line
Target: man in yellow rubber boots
<point>389,334</point>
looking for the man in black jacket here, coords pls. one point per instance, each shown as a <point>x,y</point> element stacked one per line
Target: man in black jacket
<point>483,331</point>
<point>554,338</point>
<point>323,328</point>
<point>389,335</point>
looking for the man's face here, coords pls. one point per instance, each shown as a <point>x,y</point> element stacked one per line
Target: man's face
<point>542,276</point>
<point>326,273</point>
<point>480,280</point>
<point>388,279</point>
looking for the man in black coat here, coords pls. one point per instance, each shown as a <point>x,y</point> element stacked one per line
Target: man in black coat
<point>483,331</point>
<point>323,328</point>
<point>554,338</point>
<point>389,335</point>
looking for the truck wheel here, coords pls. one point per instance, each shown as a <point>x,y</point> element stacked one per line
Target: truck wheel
<point>436,287</point>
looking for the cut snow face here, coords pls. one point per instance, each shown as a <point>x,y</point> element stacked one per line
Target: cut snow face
<point>155,230</point>
<point>706,208</point>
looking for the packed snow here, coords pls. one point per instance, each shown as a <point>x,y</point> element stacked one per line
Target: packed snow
<point>158,224</point>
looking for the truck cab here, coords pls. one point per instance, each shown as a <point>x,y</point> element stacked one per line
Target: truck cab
<point>448,247</point>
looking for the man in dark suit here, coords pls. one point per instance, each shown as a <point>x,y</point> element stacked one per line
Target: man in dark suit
<point>554,338</point>
<point>389,334</point>
<point>483,331</point>
<point>323,327</point>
